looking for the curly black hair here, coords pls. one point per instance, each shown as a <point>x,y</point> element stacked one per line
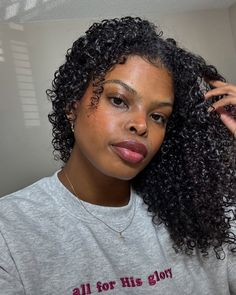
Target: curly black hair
<point>190,184</point>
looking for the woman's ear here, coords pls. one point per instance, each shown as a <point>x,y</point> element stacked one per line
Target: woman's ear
<point>71,114</point>
<point>71,111</point>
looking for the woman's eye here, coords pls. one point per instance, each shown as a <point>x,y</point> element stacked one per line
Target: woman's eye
<point>118,102</point>
<point>159,119</point>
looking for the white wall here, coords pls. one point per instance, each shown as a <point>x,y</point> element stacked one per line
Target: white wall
<point>232,17</point>
<point>207,33</point>
<point>25,135</point>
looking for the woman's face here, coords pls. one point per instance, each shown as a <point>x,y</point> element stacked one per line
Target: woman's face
<point>120,136</point>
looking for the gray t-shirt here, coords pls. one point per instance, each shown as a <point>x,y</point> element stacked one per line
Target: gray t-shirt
<point>49,244</point>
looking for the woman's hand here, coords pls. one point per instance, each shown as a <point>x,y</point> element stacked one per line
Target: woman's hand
<point>228,91</point>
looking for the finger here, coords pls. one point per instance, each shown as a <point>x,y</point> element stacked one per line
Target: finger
<point>217,83</point>
<point>223,90</point>
<point>227,100</point>
<point>228,121</point>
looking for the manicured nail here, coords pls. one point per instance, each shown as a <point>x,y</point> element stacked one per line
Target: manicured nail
<point>211,109</point>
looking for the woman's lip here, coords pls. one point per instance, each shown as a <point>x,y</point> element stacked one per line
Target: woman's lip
<point>133,146</point>
<point>130,151</point>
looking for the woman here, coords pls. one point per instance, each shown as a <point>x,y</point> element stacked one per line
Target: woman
<point>145,200</point>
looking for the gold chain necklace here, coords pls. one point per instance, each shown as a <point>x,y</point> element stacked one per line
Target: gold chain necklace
<point>107,225</point>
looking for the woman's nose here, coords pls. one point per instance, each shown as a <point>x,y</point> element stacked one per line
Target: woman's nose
<point>138,125</point>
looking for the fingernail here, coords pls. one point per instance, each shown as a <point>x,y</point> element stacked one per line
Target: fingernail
<point>211,109</point>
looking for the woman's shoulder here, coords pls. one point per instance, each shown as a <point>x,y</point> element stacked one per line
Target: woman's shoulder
<point>29,201</point>
<point>38,187</point>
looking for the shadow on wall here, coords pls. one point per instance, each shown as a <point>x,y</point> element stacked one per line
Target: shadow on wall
<point>15,13</point>
<point>23,72</point>
<point>20,11</point>
<point>25,149</point>
<point>24,80</point>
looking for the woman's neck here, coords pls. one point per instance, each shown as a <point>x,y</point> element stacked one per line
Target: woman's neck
<point>95,188</point>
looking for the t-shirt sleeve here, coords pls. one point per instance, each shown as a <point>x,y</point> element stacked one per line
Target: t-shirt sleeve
<point>232,273</point>
<point>232,266</point>
<point>10,283</point>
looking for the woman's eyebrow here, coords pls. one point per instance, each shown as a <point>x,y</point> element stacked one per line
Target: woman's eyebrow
<point>123,84</point>
<point>134,92</point>
<point>162,104</point>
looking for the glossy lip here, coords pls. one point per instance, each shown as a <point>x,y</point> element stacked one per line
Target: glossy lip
<point>130,151</point>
